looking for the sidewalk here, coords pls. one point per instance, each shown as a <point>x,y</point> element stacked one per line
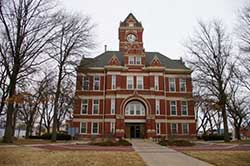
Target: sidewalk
<point>156,155</point>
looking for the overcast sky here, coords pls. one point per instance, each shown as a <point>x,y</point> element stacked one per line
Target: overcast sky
<point>167,23</point>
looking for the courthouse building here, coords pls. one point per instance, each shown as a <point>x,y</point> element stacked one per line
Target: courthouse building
<point>133,93</point>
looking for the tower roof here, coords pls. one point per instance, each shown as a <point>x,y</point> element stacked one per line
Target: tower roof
<point>130,18</point>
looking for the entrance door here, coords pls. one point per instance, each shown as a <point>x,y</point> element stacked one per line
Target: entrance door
<point>136,131</point>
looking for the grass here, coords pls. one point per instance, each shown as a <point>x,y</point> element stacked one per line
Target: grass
<point>32,141</point>
<point>23,156</point>
<point>223,158</point>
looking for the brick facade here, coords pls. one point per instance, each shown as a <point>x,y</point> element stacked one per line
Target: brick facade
<point>133,97</point>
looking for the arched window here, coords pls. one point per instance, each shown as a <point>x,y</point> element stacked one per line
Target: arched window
<point>135,108</point>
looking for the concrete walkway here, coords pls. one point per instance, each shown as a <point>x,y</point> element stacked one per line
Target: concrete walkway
<point>157,155</point>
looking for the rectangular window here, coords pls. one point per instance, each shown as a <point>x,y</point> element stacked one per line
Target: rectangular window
<point>131,109</point>
<point>185,128</point>
<point>131,60</point>
<point>113,82</point>
<point>139,82</point>
<point>112,127</point>
<point>95,106</point>
<point>174,128</point>
<point>182,85</point>
<point>96,83</point>
<point>157,107</point>
<point>95,128</point>
<point>158,128</point>
<point>112,106</point>
<point>85,83</point>
<point>173,108</point>
<point>130,82</point>
<point>83,129</point>
<point>156,83</point>
<point>172,84</point>
<point>138,60</point>
<point>184,108</point>
<point>84,106</point>
<point>137,109</point>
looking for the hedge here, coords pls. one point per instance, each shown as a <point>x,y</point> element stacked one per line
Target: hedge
<point>46,136</point>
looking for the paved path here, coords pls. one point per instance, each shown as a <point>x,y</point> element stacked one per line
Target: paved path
<point>157,155</point>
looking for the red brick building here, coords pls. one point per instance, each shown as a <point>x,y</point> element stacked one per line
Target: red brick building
<point>132,93</point>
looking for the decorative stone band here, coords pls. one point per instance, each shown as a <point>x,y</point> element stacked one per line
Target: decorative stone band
<point>150,130</point>
<point>135,121</point>
<point>92,120</point>
<point>151,117</point>
<point>174,121</point>
<point>119,116</point>
<point>119,130</point>
<point>144,96</point>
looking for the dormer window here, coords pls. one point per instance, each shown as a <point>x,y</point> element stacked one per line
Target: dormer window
<point>131,60</point>
<point>138,60</point>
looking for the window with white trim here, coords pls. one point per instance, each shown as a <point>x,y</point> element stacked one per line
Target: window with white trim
<point>172,87</point>
<point>184,108</point>
<point>112,106</point>
<point>135,108</point>
<point>113,82</point>
<point>139,82</point>
<point>183,85</point>
<point>83,128</point>
<point>85,84</point>
<point>156,82</point>
<point>157,107</point>
<point>131,60</point>
<point>138,60</point>
<point>130,82</point>
<point>173,110</point>
<point>174,128</point>
<point>95,106</point>
<point>112,127</point>
<point>95,128</point>
<point>158,128</point>
<point>96,83</point>
<point>84,109</point>
<point>185,128</point>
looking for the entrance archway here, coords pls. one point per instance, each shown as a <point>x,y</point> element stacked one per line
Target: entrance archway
<point>135,119</point>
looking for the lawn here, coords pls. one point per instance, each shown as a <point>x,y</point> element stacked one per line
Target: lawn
<point>33,141</point>
<point>23,156</point>
<point>223,158</point>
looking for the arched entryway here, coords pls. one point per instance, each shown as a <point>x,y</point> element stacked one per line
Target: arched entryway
<point>135,119</point>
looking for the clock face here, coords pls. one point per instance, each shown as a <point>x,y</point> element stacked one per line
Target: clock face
<point>131,38</point>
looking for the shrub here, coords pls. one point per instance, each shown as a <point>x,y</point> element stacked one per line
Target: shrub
<point>59,136</point>
<point>212,137</point>
<point>175,143</point>
<point>111,143</point>
<point>35,137</point>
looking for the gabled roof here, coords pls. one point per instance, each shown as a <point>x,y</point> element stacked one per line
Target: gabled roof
<point>124,23</point>
<point>104,58</point>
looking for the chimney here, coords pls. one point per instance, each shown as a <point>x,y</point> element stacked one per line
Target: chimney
<point>105,48</point>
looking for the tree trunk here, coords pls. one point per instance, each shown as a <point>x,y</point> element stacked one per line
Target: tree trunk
<point>237,133</point>
<point>27,133</point>
<point>57,95</point>
<point>8,134</point>
<point>224,116</point>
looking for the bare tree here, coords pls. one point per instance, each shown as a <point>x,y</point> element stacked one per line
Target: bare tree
<point>65,106</point>
<point>74,36</point>
<point>3,88</point>
<point>243,33</point>
<point>209,53</point>
<point>28,110</point>
<point>25,29</point>
<point>238,108</point>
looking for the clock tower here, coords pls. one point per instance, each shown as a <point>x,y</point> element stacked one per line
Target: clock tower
<point>130,39</point>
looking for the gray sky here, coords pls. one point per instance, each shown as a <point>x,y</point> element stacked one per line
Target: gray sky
<point>167,23</point>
